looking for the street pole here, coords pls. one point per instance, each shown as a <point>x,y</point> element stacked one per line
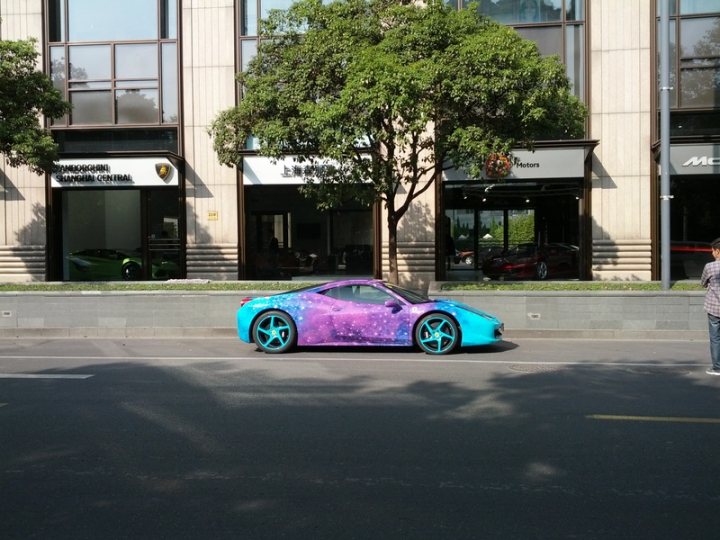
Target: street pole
<point>665,196</point>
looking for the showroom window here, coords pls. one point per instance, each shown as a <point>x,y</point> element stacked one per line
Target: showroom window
<point>694,66</point>
<point>124,73</point>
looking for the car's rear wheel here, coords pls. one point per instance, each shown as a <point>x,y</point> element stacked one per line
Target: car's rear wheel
<point>130,271</point>
<point>541,270</point>
<point>437,333</point>
<point>274,332</point>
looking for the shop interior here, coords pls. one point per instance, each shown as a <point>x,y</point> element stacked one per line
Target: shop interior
<point>520,230</point>
<point>288,237</point>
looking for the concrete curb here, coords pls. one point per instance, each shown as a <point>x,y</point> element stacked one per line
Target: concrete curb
<point>197,314</point>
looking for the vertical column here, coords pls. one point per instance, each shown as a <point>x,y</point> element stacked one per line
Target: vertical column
<point>208,69</point>
<point>620,85</point>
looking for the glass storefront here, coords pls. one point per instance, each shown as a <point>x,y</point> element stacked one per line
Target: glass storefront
<point>517,234</point>
<point>695,190</point>
<point>289,238</point>
<point>119,234</point>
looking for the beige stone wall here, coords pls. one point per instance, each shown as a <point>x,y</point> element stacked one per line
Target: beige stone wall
<point>208,71</point>
<point>22,192</point>
<point>620,87</point>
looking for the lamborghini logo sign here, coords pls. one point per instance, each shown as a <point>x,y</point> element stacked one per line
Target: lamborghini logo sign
<point>163,170</point>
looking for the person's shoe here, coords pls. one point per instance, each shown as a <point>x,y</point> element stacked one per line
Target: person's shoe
<point>713,371</point>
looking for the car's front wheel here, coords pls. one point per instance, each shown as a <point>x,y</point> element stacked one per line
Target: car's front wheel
<point>274,332</point>
<point>437,333</point>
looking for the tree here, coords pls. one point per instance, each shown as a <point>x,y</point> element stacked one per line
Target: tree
<point>392,93</point>
<point>26,93</point>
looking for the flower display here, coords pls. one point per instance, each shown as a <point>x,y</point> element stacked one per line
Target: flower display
<point>498,165</point>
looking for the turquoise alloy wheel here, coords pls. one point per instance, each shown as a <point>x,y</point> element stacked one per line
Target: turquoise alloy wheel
<point>274,332</point>
<point>437,334</point>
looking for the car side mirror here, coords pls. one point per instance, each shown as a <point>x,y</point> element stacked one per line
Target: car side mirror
<point>392,304</point>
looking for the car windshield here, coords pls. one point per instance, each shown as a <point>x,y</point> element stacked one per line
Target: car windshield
<point>411,296</point>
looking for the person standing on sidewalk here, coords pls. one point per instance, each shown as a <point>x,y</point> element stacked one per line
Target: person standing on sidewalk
<point>710,279</point>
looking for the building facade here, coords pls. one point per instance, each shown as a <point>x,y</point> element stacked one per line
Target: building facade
<point>138,192</point>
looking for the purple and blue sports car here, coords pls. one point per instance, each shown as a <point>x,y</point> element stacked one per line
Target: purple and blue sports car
<point>360,312</point>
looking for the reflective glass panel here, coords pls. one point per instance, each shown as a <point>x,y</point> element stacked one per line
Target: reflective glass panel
<point>94,85</point>
<point>57,75</point>
<point>169,83</point>
<point>574,10</point>
<point>83,141</point>
<point>249,18</point>
<point>56,18</point>
<point>136,61</point>
<point>57,68</point>
<point>151,83</point>
<point>692,7</point>
<point>136,106</point>
<point>700,62</point>
<point>89,62</point>
<point>521,12</point>
<point>110,20</point>
<point>91,107</point>
<point>169,19</point>
<point>249,50</point>
<point>671,5</point>
<point>547,38</point>
<point>575,58</point>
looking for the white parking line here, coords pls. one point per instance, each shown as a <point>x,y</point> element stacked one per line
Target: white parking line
<point>44,376</point>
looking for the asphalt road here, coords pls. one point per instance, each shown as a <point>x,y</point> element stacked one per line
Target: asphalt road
<point>201,438</point>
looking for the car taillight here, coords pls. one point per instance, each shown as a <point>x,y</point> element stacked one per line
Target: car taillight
<point>245,301</point>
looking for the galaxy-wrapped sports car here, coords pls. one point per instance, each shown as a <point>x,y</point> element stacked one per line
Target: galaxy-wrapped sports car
<point>363,312</point>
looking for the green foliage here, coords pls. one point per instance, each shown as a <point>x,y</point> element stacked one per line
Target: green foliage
<point>521,229</point>
<point>25,93</point>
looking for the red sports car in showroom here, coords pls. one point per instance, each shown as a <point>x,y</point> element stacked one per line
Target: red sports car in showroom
<point>529,261</point>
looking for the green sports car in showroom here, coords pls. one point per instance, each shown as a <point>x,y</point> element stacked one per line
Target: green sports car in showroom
<point>113,265</point>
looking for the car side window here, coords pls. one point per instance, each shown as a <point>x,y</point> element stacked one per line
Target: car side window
<point>341,293</point>
<point>363,294</point>
<point>370,295</point>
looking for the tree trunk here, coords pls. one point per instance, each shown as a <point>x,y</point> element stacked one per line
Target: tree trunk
<point>392,247</point>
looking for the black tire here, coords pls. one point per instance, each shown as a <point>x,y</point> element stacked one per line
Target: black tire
<point>437,333</point>
<point>541,271</point>
<point>130,271</point>
<point>274,332</point>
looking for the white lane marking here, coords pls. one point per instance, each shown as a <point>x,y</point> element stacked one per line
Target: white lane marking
<point>44,376</point>
<point>670,419</point>
<point>306,357</point>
